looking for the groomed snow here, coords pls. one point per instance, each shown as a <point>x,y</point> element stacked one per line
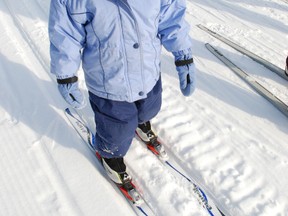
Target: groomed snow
<point>231,140</point>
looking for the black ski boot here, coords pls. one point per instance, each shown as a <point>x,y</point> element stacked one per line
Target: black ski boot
<point>116,170</point>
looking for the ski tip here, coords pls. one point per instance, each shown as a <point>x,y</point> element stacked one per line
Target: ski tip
<point>142,211</point>
<point>67,110</point>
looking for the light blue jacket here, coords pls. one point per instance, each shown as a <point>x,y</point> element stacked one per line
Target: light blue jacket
<point>118,42</point>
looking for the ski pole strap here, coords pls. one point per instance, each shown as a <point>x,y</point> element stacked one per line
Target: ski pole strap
<point>184,62</point>
<point>67,80</point>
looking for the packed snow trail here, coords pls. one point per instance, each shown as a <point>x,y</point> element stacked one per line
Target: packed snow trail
<point>232,140</point>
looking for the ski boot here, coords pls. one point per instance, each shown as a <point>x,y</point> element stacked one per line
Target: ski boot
<point>146,134</point>
<point>116,170</point>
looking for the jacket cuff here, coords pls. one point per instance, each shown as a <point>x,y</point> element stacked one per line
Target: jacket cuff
<point>183,62</point>
<point>67,80</point>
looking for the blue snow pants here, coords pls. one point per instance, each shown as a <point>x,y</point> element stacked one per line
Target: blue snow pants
<point>116,121</point>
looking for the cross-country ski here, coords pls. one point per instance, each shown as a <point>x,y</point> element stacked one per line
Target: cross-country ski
<point>252,82</point>
<point>265,63</point>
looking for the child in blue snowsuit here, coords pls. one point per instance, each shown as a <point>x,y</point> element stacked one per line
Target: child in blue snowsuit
<point>119,45</point>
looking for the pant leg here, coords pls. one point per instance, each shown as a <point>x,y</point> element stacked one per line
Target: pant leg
<point>149,107</point>
<point>116,122</point>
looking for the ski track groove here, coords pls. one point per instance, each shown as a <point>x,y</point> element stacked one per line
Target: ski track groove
<point>31,184</point>
<point>44,189</point>
<point>253,30</point>
<point>53,177</point>
<point>44,60</point>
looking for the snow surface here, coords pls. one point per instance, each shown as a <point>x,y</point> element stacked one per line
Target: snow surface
<point>230,139</point>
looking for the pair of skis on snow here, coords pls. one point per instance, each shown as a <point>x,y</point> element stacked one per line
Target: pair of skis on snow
<point>280,105</point>
<point>133,196</point>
